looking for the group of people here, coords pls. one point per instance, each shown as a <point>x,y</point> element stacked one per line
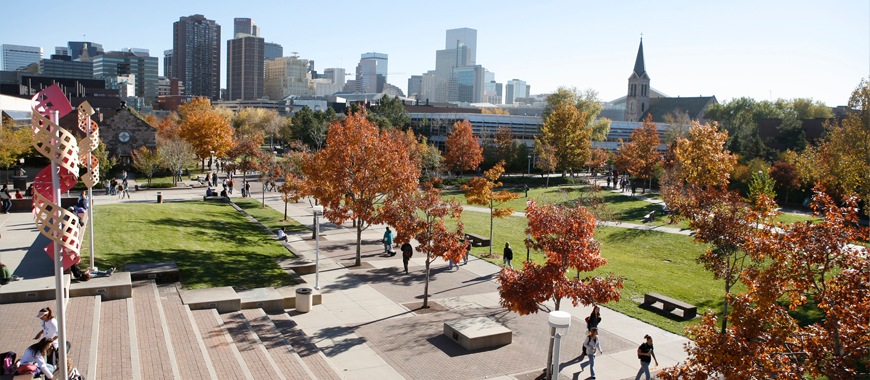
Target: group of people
<point>41,358</point>
<point>408,251</point>
<point>620,182</point>
<point>115,187</point>
<point>592,347</point>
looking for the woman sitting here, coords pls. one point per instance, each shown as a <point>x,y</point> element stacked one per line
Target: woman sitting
<point>33,360</point>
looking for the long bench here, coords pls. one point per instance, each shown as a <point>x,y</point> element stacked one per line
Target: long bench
<point>478,240</point>
<point>669,304</point>
<point>26,204</point>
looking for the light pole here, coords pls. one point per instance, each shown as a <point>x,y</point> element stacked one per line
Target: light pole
<point>529,172</point>
<point>317,211</point>
<point>559,322</point>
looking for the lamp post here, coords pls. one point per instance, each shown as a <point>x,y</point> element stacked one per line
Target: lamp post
<point>317,211</point>
<point>559,322</point>
<point>529,172</point>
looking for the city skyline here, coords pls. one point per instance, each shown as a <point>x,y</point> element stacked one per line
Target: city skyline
<point>763,51</point>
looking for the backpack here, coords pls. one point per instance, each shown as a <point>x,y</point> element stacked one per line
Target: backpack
<point>7,363</point>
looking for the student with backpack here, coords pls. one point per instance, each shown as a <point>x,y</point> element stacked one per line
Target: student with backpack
<point>407,252</point>
<point>644,353</point>
<point>591,347</point>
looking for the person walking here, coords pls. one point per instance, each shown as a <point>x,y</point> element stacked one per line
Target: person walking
<point>230,183</point>
<point>126,188</point>
<point>388,240</point>
<point>214,178</point>
<point>644,353</point>
<point>407,252</point>
<point>106,184</point>
<point>508,255</point>
<point>633,187</point>
<point>7,199</point>
<point>592,347</point>
<point>467,250</point>
<point>248,189</point>
<point>592,322</point>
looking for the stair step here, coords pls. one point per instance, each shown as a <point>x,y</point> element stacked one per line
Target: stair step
<point>313,358</point>
<point>194,363</point>
<point>114,357</point>
<point>80,325</point>
<point>224,354</point>
<point>261,364</point>
<point>282,352</point>
<point>152,337</point>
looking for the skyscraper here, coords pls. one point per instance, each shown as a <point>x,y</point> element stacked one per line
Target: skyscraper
<point>122,63</point>
<point>515,88</point>
<point>463,37</point>
<point>336,75</point>
<point>272,50</point>
<point>245,26</point>
<point>415,83</point>
<point>382,62</point>
<point>287,76</point>
<point>61,50</point>
<point>196,55</point>
<point>14,57</point>
<point>76,47</point>
<point>167,63</point>
<point>245,67</point>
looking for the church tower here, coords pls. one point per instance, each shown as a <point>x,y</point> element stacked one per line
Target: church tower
<point>637,100</point>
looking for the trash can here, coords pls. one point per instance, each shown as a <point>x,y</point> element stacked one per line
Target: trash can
<point>159,197</point>
<point>303,300</point>
<point>19,182</point>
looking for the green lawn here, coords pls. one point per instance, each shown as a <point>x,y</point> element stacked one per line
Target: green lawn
<point>212,243</point>
<point>268,216</point>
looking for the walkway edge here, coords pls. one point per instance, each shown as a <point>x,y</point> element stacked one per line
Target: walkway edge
<point>134,341</point>
<point>233,348</point>
<point>196,333</point>
<point>95,339</point>
<point>173,361</point>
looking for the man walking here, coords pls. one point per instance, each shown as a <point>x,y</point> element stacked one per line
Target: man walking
<point>388,240</point>
<point>407,252</point>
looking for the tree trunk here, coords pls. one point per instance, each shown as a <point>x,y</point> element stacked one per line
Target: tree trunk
<point>490,228</point>
<point>285,211</point>
<point>358,242</point>
<point>426,287</point>
<point>725,308</point>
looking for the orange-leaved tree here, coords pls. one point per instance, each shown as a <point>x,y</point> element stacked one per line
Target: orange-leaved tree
<point>640,155</point>
<point>295,184</point>
<point>246,154</point>
<point>359,169</point>
<point>146,161</point>
<point>421,215</point>
<point>805,263</point>
<point>546,159</point>
<point>463,150</point>
<point>204,128</point>
<point>598,160</point>
<point>478,191</point>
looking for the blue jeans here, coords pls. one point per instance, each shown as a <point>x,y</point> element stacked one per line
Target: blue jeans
<point>507,263</point>
<point>592,364</point>
<point>644,368</point>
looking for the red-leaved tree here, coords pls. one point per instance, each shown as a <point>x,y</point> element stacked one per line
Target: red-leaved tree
<point>463,151</point>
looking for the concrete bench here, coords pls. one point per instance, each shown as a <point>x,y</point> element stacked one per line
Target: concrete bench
<point>478,240</point>
<point>29,290</point>
<point>116,286</point>
<point>289,295</point>
<point>164,271</point>
<point>267,299</point>
<point>651,217</point>
<point>224,299</point>
<point>26,204</point>
<point>669,304</point>
<point>213,198</point>
<point>477,333</point>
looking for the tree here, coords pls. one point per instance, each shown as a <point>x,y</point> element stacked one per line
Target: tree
<point>175,154</point>
<point>393,110</point>
<point>106,162</point>
<point>420,215</point>
<point>805,262</point>
<point>565,235</point>
<point>205,129</point>
<point>250,122</point>
<point>585,101</point>
<point>311,127</point>
<point>426,157</point>
<point>478,191</point>
<point>546,159</point>
<point>565,130</point>
<point>598,160</point>
<point>146,161</point>
<point>761,184</point>
<point>360,168</point>
<point>14,143</point>
<point>784,176</point>
<point>680,121</point>
<point>494,111</point>
<point>463,150</point>
<point>504,145</point>
<point>246,154</point>
<point>295,186</point>
<point>641,155</point>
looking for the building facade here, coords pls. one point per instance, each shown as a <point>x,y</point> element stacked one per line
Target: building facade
<point>272,50</point>
<point>637,100</point>
<point>287,76</point>
<point>245,67</point>
<point>515,88</point>
<point>196,55</point>
<point>14,57</point>
<point>245,26</point>
<point>167,63</point>
<point>120,63</point>
<point>463,37</point>
<point>87,48</point>
<point>62,66</point>
<point>336,75</point>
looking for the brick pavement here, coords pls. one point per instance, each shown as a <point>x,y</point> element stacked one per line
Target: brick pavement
<point>248,347</point>
<point>80,323</point>
<point>113,357</point>
<point>402,288</point>
<point>149,330</point>
<point>283,354</point>
<point>307,351</point>
<point>191,363</point>
<point>344,251</point>
<point>218,347</point>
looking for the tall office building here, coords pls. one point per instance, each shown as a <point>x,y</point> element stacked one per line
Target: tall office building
<point>515,88</point>
<point>14,57</point>
<point>381,61</point>
<point>288,76</point>
<point>62,66</point>
<point>61,50</point>
<point>167,63</point>
<point>196,55</point>
<point>415,83</point>
<point>463,37</point>
<point>115,64</point>
<point>469,84</point>
<point>245,26</point>
<point>272,50</point>
<point>245,67</point>
<point>491,89</point>
<point>336,75</point>
<point>76,47</point>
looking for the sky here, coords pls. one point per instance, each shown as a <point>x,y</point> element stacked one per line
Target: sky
<point>730,49</point>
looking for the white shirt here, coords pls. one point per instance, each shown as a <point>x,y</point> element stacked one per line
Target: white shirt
<point>281,234</point>
<point>49,330</point>
<point>592,346</point>
<point>35,357</point>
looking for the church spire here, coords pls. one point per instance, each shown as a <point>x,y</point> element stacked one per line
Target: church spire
<point>639,68</point>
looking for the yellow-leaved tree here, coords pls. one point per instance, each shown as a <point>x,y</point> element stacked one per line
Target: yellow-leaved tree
<point>478,191</point>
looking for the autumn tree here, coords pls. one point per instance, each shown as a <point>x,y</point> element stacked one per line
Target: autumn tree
<point>360,168</point>
<point>146,161</point>
<point>421,215</point>
<point>205,129</point>
<point>175,154</point>
<point>14,143</point>
<point>478,191</point>
<point>246,155</point>
<point>785,177</point>
<point>679,122</point>
<point>295,184</point>
<point>494,111</point>
<point>463,150</point>
<point>425,156</point>
<point>598,160</point>
<point>586,102</point>
<point>565,130</point>
<point>250,122</point>
<point>545,159</point>
<point>504,144</point>
<point>641,155</point>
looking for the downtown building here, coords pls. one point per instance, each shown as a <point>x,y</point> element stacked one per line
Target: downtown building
<point>120,69</point>
<point>196,53</point>
<point>288,76</point>
<point>457,77</point>
<point>16,57</point>
<point>245,62</point>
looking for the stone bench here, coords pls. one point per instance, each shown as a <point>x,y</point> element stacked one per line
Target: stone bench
<point>477,333</point>
<point>165,271</point>
<point>116,286</point>
<point>224,299</point>
<point>478,240</point>
<point>213,198</point>
<point>26,204</point>
<point>669,304</point>
<point>267,299</point>
<point>288,293</point>
<point>29,290</point>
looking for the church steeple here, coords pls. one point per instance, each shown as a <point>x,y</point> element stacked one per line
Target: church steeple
<point>637,98</point>
<point>639,68</point>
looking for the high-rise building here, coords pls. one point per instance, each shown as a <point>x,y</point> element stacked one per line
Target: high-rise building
<point>336,75</point>
<point>61,50</point>
<point>167,63</point>
<point>245,67</point>
<point>637,100</point>
<point>468,82</point>
<point>62,66</point>
<point>121,63</point>
<point>287,76</point>
<point>491,89</point>
<point>463,37</point>
<point>14,57</point>
<point>415,83</point>
<point>515,88</point>
<point>196,55</point>
<point>245,26</point>
<point>272,50</point>
<point>76,47</point>
<point>382,62</point>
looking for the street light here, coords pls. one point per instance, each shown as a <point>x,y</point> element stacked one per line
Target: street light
<point>317,211</point>
<point>530,166</point>
<point>559,322</point>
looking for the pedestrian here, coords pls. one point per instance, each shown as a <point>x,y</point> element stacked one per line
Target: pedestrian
<point>214,178</point>
<point>49,331</point>
<point>467,249</point>
<point>388,240</point>
<point>230,183</point>
<point>106,184</point>
<point>526,189</point>
<point>644,353</point>
<point>508,255</point>
<point>407,252</point>
<point>83,201</point>
<point>282,234</point>
<point>125,187</point>
<point>29,192</point>
<point>224,183</point>
<point>113,186</point>
<point>593,319</point>
<point>633,187</point>
<point>592,346</point>
<point>123,175</point>
<point>247,189</point>
<point>608,181</point>
<point>7,199</point>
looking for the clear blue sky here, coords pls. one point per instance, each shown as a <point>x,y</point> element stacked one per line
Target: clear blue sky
<point>789,49</point>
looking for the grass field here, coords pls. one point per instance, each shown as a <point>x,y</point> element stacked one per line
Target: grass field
<point>212,243</point>
<point>267,216</point>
